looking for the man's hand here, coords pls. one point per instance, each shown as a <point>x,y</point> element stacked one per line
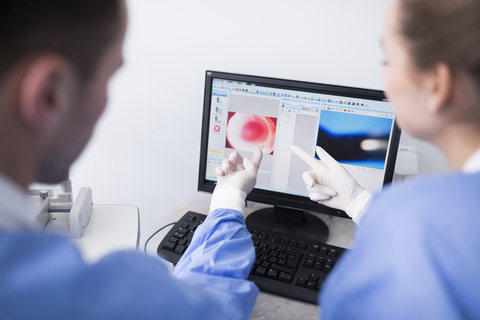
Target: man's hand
<point>236,178</point>
<point>239,173</point>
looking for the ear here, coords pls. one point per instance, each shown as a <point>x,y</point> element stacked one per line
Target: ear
<point>44,91</point>
<point>441,88</point>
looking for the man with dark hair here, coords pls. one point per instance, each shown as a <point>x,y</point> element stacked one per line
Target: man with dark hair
<point>78,30</point>
<point>56,59</point>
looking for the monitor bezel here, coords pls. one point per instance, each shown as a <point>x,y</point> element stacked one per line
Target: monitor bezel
<point>278,198</point>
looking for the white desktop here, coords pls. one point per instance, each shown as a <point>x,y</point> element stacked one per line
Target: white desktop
<point>111,228</point>
<point>97,230</point>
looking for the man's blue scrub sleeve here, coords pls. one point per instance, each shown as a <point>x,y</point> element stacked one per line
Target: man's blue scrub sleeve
<point>44,277</point>
<point>219,259</point>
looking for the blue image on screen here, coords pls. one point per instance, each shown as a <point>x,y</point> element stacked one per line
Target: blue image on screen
<point>355,139</point>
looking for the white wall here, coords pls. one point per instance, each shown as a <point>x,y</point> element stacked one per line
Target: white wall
<point>146,148</point>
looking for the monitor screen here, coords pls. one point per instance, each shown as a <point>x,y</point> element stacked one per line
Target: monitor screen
<point>242,113</point>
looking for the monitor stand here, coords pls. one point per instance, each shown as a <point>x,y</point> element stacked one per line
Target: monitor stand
<point>292,222</point>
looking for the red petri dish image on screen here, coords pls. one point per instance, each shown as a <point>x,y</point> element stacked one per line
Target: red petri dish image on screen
<point>249,132</point>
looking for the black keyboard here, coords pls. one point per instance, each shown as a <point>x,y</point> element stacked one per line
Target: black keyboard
<point>293,268</point>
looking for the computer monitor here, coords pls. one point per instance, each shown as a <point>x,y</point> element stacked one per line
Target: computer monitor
<point>242,112</point>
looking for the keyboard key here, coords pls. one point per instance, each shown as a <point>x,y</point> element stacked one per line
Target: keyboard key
<point>182,230</point>
<point>301,282</point>
<point>308,263</point>
<point>180,249</point>
<point>302,245</point>
<point>294,253</point>
<point>261,271</point>
<point>179,235</point>
<point>314,248</point>
<point>327,268</point>
<point>285,277</point>
<point>318,265</point>
<point>191,218</point>
<point>313,277</point>
<point>330,262</point>
<point>292,262</point>
<point>311,285</point>
<point>272,274</point>
<point>169,246</point>
<point>333,253</point>
<point>324,250</point>
<point>262,236</point>
<point>282,269</point>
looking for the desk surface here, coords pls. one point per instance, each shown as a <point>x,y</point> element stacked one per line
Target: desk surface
<point>269,306</point>
<point>111,228</point>
<point>116,227</point>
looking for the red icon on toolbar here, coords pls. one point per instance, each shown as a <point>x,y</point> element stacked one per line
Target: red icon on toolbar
<point>216,128</point>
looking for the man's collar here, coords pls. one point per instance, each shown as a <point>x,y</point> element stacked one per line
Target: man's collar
<point>472,165</point>
<point>15,209</point>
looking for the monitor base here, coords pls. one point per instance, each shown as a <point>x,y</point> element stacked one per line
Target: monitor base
<point>296,223</point>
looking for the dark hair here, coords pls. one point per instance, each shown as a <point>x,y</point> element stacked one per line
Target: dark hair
<point>443,31</point>
<point>78,30</point>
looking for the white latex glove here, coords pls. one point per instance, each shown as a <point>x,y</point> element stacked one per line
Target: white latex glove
<point>330,184</point>
<point>236,178</point>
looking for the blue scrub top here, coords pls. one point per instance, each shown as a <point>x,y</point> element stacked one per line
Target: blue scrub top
<point>42,276</point>
<point>417,255</point>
